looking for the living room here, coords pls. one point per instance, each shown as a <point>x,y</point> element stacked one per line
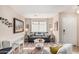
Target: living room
<point>22,26</point>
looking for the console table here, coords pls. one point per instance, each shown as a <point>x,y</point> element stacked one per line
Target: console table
<point>13,44</point>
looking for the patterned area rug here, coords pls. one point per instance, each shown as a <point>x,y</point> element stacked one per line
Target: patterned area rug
<point>33,45</point>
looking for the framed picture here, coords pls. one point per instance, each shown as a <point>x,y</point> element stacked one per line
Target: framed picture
<point>18,25</point>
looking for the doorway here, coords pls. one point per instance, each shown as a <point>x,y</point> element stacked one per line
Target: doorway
<point>68,29</point>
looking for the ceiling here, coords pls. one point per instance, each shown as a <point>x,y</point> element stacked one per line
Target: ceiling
<point>45,10</point>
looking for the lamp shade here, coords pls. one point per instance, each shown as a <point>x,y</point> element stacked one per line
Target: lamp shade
<point>51,29</point>
<point>77,11</point>
<point>26,30</point>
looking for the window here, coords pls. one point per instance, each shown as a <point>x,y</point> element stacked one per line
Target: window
<point>38,26</point>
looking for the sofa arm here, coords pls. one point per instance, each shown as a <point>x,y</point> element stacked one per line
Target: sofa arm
<point>65,49</point>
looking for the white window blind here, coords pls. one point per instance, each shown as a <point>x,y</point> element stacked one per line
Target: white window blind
<point>38,26</point>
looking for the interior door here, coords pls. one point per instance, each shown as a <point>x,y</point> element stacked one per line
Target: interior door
<point>69,27</point>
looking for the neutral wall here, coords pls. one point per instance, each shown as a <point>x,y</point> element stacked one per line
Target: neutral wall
<point>56,32</point>
<point>5,32</point>
<point>77,29</point>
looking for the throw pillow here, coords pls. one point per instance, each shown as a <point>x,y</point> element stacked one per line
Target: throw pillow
<point>54,50</point>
